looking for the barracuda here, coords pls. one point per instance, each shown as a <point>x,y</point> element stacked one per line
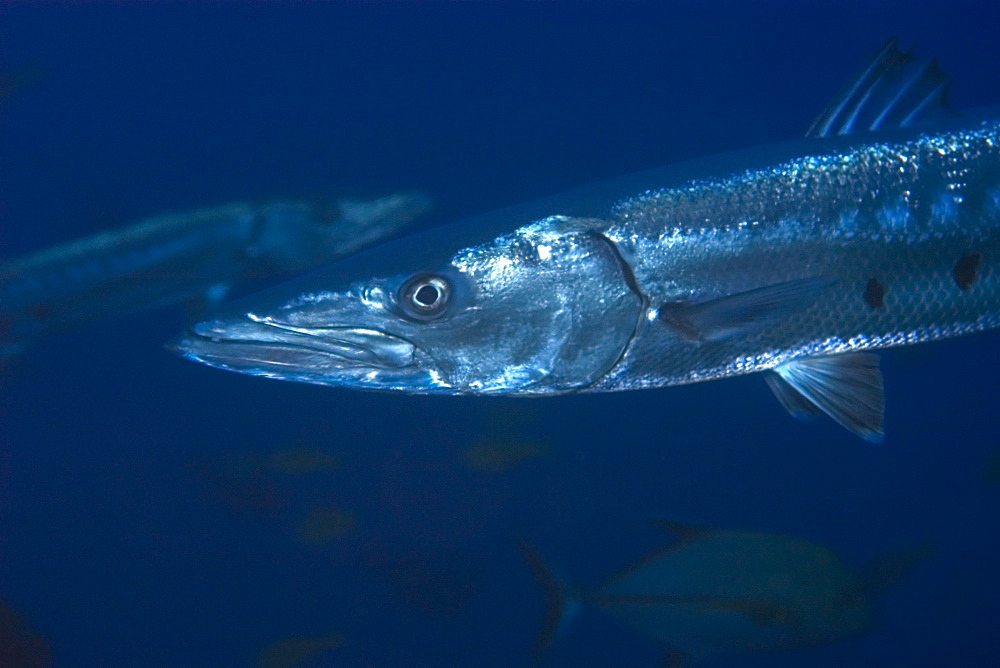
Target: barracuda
<point>881,228</point>
<point>194,256</point>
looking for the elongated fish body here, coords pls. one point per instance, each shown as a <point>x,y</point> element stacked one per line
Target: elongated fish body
<point>195,255</point>
<point>898,238</point>
<point>881,228</point>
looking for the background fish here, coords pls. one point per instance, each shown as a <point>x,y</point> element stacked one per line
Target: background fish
<point>725,592</point>
<point>198,255</point>
<point>325,524</point>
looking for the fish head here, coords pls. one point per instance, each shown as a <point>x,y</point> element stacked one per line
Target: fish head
<point>545,309</point>
<point>294,237</point>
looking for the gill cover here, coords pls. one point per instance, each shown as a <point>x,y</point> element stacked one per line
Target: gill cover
<point>550,308</point>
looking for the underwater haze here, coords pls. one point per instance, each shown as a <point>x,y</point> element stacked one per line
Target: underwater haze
<point>157,512</point>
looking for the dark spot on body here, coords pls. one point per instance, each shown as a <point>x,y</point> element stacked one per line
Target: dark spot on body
<point>40,312</point>
<point>966,271</point>
<point>874,293</point>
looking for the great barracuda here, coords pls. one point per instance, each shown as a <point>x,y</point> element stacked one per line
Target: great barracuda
<point>881,228</point>
<point>194,255</point>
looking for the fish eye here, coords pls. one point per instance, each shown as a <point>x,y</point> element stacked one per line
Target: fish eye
<point>425,296</point>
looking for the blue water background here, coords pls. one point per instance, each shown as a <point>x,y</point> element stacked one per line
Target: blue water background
<point>112,546</point>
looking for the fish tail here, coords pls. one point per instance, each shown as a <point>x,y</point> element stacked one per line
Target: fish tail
<point>560,604</point>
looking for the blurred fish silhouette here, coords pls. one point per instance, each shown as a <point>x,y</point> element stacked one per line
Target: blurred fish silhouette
<point>439,585</point>
<point>242,482</point>
<point>298,461</point>
<point>261,484</point>
<point>507,442</point>
<point>20,645</point>
<point>196,256</point>
<point>501,455</point>
<point>716,593</point>
<point>291,652</point>
<point>323,525</point>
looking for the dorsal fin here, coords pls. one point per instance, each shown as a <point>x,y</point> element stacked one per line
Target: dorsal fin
<point>894,90</point>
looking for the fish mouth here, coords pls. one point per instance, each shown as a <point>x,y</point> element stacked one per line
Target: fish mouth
<point>336,355</point>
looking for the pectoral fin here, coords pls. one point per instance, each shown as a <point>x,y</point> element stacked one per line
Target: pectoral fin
<point>734,314</point>
<point>847,387</point>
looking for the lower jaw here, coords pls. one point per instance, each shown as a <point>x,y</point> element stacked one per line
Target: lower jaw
<point>299,364</point>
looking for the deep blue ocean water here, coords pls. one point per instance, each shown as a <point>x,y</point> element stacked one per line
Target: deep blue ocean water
<point>139,522</point>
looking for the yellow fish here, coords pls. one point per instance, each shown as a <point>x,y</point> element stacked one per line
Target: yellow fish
<point>716,593</point>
